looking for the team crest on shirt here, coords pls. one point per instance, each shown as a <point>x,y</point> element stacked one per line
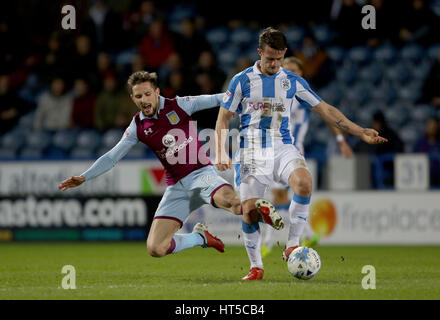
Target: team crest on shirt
<point>173,117</point>
<point>285,84</point>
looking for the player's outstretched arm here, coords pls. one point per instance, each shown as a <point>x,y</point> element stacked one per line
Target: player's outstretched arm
<point>72,182</point>
<point>335,117</point>
<point>344,148</point>
<point>222,160</point>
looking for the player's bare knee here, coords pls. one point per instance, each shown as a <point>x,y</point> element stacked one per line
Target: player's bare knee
<point>303,185</point>
<point>156,250</point>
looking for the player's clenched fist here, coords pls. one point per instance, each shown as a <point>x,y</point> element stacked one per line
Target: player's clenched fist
<point>71,183</point>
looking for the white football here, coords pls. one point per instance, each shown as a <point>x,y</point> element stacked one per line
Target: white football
<point>304,263</point>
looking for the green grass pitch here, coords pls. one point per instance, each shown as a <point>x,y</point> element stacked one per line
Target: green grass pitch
<point>125,271</point>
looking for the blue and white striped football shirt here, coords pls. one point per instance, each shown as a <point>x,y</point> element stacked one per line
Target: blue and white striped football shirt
<point>264,104</point>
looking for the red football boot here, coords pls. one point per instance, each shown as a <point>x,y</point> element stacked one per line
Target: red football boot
<point>269,214</point>
<point>287,252</point>
<point>210,240</point>
<point>254,274</point>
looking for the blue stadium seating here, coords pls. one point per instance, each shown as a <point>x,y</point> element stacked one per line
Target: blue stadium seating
<point>385,54</point>
<point>336,54</point>
<point>13,140</point>
<point>38,140</point>
<point>359,55</point>
<point>323,34</point>
<point>242,37</point>
<point>398,73</point>
<point>31,153</point>
<point>82,153</point>
<point>217,37</point>
<point>347,74</point>
<point>295,36</point>
<point>372,73</point>
<point>64,139</point>
<point>7,154</point>
<point>433,52</point>
<point>412,53</point>
<point>111,138</point>
<point>88,139</point>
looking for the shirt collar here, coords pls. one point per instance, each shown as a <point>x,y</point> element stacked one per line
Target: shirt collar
<point>161,106</point>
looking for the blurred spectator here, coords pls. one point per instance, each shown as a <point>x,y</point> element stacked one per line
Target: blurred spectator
<point>126,112</point>
<point>394,144</point>
<point>53,60</point>
<point>83,108</point>
<point>317,66</point>
<point>189,44</point>
<point>156,46</point>
<point>138,22</point>
<point>384,30</point>
<point>347,17</point>
<point>105,67</point>
<point>82,63</point>
<point>418,24</point>
<point>104,27</point>
<point>242,63</point>
<point>173,64</point>
<point>174,85</point>
<point>207,69</point>
<point>10,48</point>
<point>54,108</point>
<point>108,104</point>
<point>431,86</point>
<point>11,107</point>
<point>430,143</point>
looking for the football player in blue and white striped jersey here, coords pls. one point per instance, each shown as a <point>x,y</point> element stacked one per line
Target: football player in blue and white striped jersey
<point>263,96</point>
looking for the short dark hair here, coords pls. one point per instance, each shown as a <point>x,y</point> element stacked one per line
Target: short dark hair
<point>272,38</point>
<point>295,60</point>
<point>141,77</point>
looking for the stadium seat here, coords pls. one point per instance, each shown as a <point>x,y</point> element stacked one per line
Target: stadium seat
<point>26,122</point>
<point>421,112</point>
<point>227,57</point>
<point>64,140</point>
<point>433,51</point>
<point>332,93</point>
<point>242,37</point>
<point>7,154</point>
<point>410,92</point>
<point>138,151</point>
<point>409,134</point>
<point>346,74</point>
<point>38,140</point>
<point>372,74</point>
<point>82,153</point>
<point>322,34</point>
<point>295,36</point>
<point>385,54</point>
<point>358,94</point>
<point>111,138</point>
<point>359,55</point>
<point>398,73</point>
<point>336,54</point>
<point>384,93</point>
<point>13,140</point>
<point>88,139</point>
<point>217,37</point>
<point>412,53</point>
<point>30,153</point>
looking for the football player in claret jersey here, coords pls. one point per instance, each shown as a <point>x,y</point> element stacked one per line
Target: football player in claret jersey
<point>165,126</point>
<point>263,95</point>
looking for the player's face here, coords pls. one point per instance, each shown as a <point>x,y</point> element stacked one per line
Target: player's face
<point>146,97</point>
<point>271,60</point>
<point>293,67</point>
